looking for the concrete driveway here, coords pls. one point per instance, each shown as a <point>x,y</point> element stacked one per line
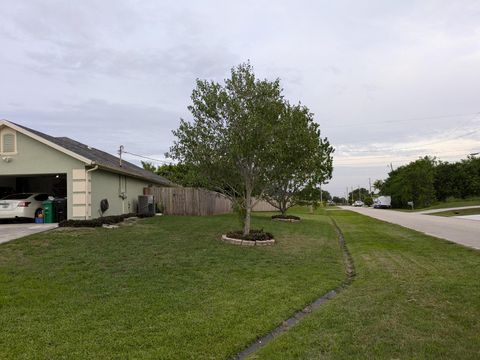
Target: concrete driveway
<point>462,231</point>
<point>14,231</point>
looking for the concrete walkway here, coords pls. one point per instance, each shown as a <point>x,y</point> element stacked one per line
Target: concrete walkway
<point>461,231</point>
<point>10,232</point>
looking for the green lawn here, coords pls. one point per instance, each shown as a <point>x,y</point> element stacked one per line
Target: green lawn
<point>414,297</point>
<point>165,288</point>
<point>474,211</point>
<point>454,203</point>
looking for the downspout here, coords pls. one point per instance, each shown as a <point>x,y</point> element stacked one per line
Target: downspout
<point>86,188</point>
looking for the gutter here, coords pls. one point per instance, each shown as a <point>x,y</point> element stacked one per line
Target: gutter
<point>86,187</point>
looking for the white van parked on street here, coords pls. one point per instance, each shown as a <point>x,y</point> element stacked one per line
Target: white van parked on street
<point>382,202</point>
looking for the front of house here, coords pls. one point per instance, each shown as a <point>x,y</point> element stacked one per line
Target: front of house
<point>31,161</point>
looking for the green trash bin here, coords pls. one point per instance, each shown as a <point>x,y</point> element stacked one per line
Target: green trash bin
<point>48,212</point>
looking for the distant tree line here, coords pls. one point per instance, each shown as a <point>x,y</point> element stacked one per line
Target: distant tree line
<point>428,180</point>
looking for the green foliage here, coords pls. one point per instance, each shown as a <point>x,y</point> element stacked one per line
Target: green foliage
<point>149,166</point>
<point>368,201</point>
<point>242,137</point>
<point>412,182</point>
<point>98,222</point>
<point>339,200</point>
<point>180,174</point>
<point>303,160</point>
<point>426,180</point>
<point>457,180</point>
<point>358,194</point>
<point>378,184</point>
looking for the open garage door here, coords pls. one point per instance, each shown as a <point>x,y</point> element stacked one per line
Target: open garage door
<point>52,184</point>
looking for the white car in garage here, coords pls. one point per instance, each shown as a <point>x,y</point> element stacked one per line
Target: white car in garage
<point>23,205</point>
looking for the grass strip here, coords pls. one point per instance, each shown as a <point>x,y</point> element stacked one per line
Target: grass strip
<point>414,297</point>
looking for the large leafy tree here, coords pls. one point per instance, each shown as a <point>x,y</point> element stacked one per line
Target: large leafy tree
<point>303,160</point>
<point>358,194</point>
<point>427,179</point>
<point>414,181</point>
<point>180,174</point>
<point>232,140</point>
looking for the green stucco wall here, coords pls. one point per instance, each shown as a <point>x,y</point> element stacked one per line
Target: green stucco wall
<point>107,185</point>
<point>35,158</point>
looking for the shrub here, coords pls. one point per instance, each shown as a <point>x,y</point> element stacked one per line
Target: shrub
<point>98,222</point>
<point>255,235</point>
<point>368,201</point>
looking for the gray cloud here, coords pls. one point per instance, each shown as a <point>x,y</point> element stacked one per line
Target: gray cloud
<point>103,125</point>
<point>380,76</point>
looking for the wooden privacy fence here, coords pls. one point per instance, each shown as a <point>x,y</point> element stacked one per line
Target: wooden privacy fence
<point>262,205</point>
<point>190,201</point>
<point>195,201</point>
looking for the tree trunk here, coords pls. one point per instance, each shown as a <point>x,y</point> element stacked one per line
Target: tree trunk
<point>283,207</point>
<point>248,211</point>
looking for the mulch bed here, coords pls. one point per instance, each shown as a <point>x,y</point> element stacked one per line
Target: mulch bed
<point>256,237</point>
<point>287,218</point>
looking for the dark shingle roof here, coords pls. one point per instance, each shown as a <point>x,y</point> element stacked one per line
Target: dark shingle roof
<point>102,158</point>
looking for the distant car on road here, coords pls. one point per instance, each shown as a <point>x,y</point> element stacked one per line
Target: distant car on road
<point>358,203</point>
<point>23,205</point>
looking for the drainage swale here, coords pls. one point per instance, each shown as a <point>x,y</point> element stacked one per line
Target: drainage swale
<point>292,321</point>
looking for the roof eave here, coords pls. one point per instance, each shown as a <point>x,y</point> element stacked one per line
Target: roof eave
<point>129,174</point>
<point>45,141</point>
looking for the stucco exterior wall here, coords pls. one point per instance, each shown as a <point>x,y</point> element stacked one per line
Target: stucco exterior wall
<point>107,185</point>
<point>85,189</point>
<point>35,158</point>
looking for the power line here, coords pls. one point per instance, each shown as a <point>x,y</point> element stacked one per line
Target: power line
<point>415,147</point>
<point>148,158</point>
<point>403,120</point>
<point>403,158</point>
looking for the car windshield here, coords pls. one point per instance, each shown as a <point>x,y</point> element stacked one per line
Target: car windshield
<point>22,196</point>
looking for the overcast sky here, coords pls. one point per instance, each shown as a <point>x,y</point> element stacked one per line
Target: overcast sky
<point>388,81</point>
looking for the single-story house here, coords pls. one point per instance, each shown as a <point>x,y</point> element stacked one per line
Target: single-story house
<point>31,161</point>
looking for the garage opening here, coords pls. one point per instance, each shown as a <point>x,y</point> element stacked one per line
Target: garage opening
<point>54,185</point>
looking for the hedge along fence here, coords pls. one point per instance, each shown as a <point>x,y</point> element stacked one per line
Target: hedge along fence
<point>195,201</point>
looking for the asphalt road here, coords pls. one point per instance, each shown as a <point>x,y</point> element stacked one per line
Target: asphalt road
<point>14,231</point>
<point>461,231</point>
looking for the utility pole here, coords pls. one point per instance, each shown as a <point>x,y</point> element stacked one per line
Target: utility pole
<point>120,152</point>
<point>359,194</point>
<point>370,184</point>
